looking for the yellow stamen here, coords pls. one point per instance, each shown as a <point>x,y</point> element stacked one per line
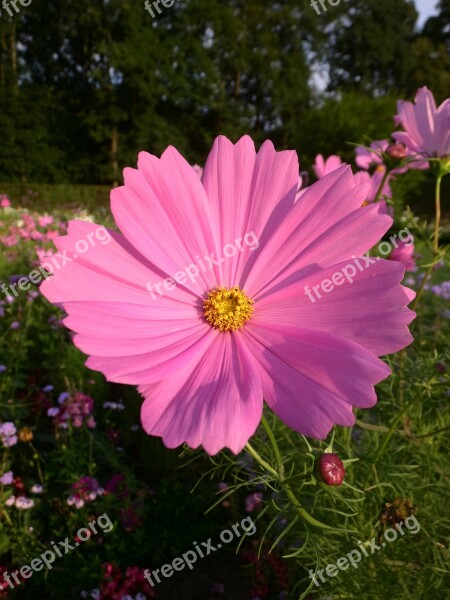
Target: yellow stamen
<point>228,309</point>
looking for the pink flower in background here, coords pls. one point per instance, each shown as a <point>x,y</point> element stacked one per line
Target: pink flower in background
<point>302,185</point>
<point>9,241</point>
<point>427,128</point>
<point>45,221</point>
<point>323,166</point>
<point>4,202</point>
<point>199,170</point>
<point>405,254</point>
<point>75,409</point>
<point>253,501</point>
<point>208,350</point>
<point>42,254</point>
<point>373,183</point>
<point>86,489</point>
<point>366,158</point>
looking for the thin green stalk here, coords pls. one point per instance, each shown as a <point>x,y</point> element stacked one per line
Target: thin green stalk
<point>280,475</point>
<point>264,464</point>
<point>276,450</point>
<point>435,241</point>
<point>380,189</point>
<point>391,432</point>
<point>438,214</point>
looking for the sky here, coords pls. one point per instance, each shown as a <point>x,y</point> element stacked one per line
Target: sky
<point>426,8</point>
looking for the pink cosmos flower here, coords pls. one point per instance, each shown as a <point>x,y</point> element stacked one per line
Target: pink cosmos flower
<point>323,166</point>
<point>427,128</point>
<point>45,221</point>
<point>373,183</point>
<point>206,350</point>
<point>405,254</point>
<point>366,158</point>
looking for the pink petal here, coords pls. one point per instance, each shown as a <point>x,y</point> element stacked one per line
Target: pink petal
<point>320,230</point>
<point>245,189</point>
<point>312,379</point>
<point>216,404</point>
<point>371,311</point>
<point>164,213</point>
<point>133,337</point>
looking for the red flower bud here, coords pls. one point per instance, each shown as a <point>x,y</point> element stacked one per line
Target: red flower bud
<point>331,469</point>
<point>396,151</point>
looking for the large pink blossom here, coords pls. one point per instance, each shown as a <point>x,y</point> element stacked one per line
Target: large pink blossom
<point>427,128</point>
<point>204,382</point>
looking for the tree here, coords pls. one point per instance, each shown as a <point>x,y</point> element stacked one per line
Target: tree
<point>370,45</point>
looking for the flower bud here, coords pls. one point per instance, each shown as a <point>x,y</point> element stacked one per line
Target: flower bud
<point>331,469</point>
<point>396,151</point>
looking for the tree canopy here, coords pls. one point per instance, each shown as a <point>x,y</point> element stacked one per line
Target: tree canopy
<point>86,84</point>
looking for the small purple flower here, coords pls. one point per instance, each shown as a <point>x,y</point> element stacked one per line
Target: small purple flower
<point>10,441</point>
<point>63,397</point>
<point>7,428</point>
<point>15,325</point>
<point>52,412</point>
<point>7,478</point>
<point>47,388</point>
<point>37,489</point>
<point>8,434</point>
<point>2,368</point>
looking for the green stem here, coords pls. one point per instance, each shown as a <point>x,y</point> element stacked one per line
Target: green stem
<point>276,450</point>
<point>380,189</point>
<point>280,475</point>
<point>391,432</point>
<point>435,242</point>
<point>438,215</point>
<point>264,464</point>
<point>422,287</point>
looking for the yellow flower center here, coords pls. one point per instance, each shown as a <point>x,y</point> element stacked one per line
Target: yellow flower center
<point>227,309</point>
